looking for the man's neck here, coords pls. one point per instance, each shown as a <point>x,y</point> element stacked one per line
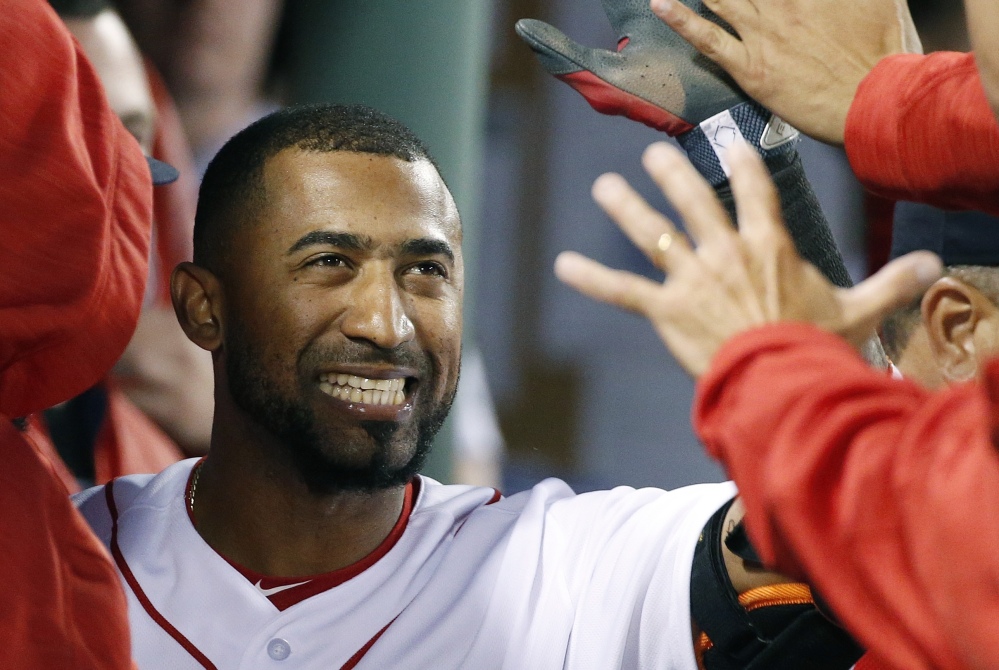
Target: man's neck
<point>259,513</point>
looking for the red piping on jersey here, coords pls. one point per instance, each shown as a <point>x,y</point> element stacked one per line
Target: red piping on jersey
<point>316,584</point>
<point>356,658</point>
<point>133,584</point>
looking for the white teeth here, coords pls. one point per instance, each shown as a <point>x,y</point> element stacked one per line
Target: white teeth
<point>363,390</point>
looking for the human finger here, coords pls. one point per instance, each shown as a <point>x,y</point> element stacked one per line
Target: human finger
<point>690,194</point>
<point>757,204</point>
<point>706,36</point>
<point>615,287</point>
<point>896,284</point>
<point>643,225</point>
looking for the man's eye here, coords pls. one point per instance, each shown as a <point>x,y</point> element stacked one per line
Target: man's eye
<point>326,261</point>
<point>429,268</point>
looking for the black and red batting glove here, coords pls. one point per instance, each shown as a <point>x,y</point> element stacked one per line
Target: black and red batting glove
<point>657,78</point>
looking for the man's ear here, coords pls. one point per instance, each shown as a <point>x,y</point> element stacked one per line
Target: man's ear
<point>197,300</point>
<point>952,310</point>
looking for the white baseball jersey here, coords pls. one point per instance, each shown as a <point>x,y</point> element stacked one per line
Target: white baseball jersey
<point>542,579</point>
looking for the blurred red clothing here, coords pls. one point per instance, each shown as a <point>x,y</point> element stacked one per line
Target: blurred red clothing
<point>883,494</point>
<point>174,205</point>
<point>921,128</point>
<point>76,198</point>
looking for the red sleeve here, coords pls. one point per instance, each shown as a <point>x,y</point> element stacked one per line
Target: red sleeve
<point>63,604</point>
<point>77,200</point>
<point>883,495</point>
<point>920,128</point>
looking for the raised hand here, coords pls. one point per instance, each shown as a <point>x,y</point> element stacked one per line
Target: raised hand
<point>654,77</point>
<point>723,282</point>
<point>659,79</point>
<point>802,59</point>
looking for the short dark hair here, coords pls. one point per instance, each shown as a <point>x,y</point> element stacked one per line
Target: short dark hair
<point>232,189</point>
<point>897,328</point>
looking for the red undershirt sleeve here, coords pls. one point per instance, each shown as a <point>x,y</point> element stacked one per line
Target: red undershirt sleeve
<point>921,128</point>
<point>881,494</point>
<point>77,202</point>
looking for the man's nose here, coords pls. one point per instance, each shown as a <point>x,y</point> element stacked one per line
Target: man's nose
<point>378,312</point>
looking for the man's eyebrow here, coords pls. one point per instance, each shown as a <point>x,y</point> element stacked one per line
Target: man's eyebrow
<point>426,246</point>
<point>325,237</point>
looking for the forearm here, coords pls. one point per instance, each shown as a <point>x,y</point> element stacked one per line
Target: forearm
<point>76,195</point>
<point>872,489</point>
<point>920,128</point>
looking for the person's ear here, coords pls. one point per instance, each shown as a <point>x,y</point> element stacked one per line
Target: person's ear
<point>952,312</point>
<point>197,300</point>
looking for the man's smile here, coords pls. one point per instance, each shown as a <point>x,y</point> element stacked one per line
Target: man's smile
<point>363,390</point>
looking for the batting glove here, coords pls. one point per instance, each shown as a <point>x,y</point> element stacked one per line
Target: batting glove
<point>657,78</point>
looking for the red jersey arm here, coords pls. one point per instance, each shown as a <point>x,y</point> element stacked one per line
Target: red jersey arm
<point>77,201</point>
<point>921,128</point>
<point>883,495</point>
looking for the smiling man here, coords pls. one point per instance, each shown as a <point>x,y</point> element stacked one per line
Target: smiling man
<point>327,283</point>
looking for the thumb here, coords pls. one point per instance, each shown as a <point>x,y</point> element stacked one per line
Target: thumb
<point>895,285</point>
<point>557,53</point>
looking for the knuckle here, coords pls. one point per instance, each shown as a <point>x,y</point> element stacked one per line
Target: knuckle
<point>710,43</point>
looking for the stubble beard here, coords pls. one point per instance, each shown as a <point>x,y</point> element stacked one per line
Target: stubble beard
<point>322,464</point>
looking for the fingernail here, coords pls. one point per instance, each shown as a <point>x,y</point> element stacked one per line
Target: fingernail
<point>659,149</point>
<point>661,6</point>
<point>605,184</point>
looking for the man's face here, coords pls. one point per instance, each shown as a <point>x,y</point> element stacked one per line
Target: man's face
<point>342,329</point>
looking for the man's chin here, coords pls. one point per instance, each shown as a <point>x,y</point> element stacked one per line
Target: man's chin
<point>324,477</point>
<point>371,457</point>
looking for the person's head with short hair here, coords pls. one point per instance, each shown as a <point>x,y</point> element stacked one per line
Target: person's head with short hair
<point>947,334</point>
<point>327,283</point>
<point>110,48</point>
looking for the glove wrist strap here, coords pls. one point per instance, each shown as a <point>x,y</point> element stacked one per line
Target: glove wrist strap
<point>708,143</point>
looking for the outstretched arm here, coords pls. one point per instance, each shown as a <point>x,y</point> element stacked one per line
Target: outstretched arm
<point>880,492</point>
<point>659,79</point>
<point>915,127</point>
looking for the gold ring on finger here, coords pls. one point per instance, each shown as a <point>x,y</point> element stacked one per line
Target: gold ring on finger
<point>665,242</point>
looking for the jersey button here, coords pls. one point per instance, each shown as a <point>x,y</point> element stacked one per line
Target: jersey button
<point>278,649</point>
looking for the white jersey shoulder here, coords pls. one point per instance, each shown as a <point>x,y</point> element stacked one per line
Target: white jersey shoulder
<point>542,579</point>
